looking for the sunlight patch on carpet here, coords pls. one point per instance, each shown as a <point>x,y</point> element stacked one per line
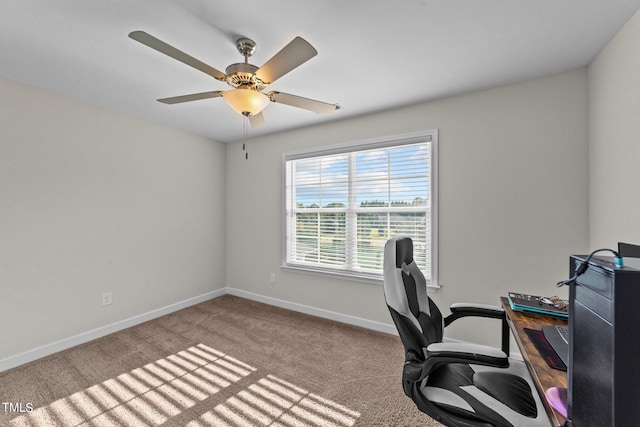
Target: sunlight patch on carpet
<point>149,395</point>
<point>156,392</point>
<point>274,402</point>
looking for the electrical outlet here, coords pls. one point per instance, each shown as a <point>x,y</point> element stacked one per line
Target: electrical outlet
<point>106,298</point>
<point>272,278</point>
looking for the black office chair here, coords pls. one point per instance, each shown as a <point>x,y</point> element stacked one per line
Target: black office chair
<point>458,384</point>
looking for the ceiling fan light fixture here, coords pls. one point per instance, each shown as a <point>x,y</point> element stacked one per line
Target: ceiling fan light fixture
<point>247,102</point>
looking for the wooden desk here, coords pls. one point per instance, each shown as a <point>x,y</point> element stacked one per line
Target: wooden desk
<point>542,374</point>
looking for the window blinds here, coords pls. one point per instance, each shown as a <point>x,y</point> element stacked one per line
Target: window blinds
<point>342,206</point>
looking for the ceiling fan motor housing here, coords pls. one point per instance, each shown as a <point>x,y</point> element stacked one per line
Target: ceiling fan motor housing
<point>243,75</point>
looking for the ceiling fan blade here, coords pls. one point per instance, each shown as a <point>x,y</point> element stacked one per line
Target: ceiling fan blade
<point>192,97</point>
<point>256,120</point>
<point>296,53</point>
<point>162,47</point>
<point>300,102</point>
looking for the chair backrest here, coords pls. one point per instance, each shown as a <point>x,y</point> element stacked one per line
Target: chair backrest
<point>417,318</point>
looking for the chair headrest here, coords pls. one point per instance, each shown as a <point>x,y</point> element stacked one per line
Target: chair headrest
<point>404,250</point>
<point>405,287</point>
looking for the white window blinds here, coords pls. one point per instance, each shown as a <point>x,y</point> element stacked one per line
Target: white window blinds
<point>343,204</point>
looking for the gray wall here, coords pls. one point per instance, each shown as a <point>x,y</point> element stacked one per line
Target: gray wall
<point>513,199</point>
<point>94,201</point>
<point>614,140</point>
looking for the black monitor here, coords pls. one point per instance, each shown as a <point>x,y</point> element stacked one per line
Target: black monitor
<point>627,250</point>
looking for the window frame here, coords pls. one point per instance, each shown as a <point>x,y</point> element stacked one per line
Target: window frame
<point>369,144</point>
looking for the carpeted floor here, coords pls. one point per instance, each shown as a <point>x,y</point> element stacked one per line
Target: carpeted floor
<point>226,362</point>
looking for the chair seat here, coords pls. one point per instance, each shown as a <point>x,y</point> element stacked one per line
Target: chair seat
<point>485,396</point>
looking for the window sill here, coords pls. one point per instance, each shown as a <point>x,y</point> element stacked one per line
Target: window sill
<point>337,274</point>
<point>358,277</point>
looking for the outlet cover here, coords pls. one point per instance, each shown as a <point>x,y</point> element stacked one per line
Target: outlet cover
<point>107,298</point>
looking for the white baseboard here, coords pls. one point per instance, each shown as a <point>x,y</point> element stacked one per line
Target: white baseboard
<point>314,311</point>
<point>66,343</point>
<point>54,347</point>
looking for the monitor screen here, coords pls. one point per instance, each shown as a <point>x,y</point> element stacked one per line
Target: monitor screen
<point>627,250</point>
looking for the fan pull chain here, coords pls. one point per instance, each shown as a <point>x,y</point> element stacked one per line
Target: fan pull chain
<point>244,134</point>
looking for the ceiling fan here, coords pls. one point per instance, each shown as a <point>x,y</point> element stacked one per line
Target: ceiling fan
<point>247,80</point>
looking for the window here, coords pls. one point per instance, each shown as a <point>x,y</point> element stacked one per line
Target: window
<point>343,203</point>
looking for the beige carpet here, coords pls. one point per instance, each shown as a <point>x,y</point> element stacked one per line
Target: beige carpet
<point>225,362</point>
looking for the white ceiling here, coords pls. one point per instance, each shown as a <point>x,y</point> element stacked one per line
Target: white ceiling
<point>373,55</point>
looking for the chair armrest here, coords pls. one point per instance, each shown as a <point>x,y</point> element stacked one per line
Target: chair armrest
<point>477,310</point>
<point>481,310</point>
<point>448,352</point>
